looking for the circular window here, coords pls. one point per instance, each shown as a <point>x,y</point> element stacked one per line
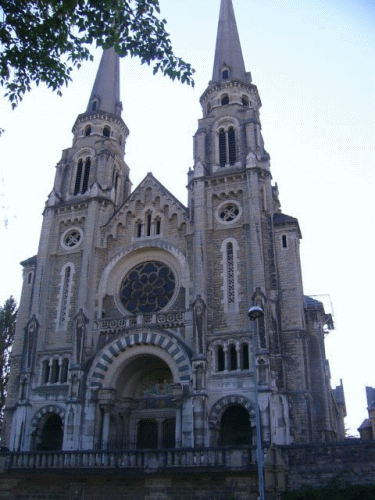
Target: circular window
<point>71,238</point>
<point>228,212</point>
<point>147,288</point>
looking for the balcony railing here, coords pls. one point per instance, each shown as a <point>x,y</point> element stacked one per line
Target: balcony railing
<point>128,460</point>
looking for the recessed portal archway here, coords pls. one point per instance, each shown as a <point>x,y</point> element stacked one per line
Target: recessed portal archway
<point>50,435</point>
<point>235,427</point>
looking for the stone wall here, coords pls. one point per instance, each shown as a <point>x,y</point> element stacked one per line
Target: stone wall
<point>86,486</point>
<point>349,462</point>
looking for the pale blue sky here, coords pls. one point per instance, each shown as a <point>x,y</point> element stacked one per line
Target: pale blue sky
<point>313,62</point>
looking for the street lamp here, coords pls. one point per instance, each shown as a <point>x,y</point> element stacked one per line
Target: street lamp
<point>254,314</point>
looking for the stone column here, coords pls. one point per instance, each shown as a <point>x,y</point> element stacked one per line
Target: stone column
<point>105,426</point>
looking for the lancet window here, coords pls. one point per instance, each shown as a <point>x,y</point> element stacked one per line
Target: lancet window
<point>82,176</point>
<point>148,227</point>
<point>227,146</point>
<point>230,273</point>
<point>55,371</point>
<point>232,356</point>
<point>65,294</point>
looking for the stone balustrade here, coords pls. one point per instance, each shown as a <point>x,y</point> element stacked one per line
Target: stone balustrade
<point>240,458</point>
<point>109,327</point>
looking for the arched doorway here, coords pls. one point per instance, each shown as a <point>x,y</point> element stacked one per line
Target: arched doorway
<point>235,427</point>
<point>143,405</point>
<point>50,433</point>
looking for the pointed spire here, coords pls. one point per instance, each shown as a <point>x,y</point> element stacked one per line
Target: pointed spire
<point>228,54</point>
<point>105,95</point>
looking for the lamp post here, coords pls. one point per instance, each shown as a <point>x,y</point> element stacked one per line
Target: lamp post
<point>254,314</point>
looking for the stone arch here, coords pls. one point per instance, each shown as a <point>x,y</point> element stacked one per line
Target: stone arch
<point>160,250</point>
<point>222,404</point>
<point>164,345</point>
<point>47,409</point>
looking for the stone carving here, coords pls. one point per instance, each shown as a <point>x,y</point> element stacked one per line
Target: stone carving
<point>79,337</point>
<point>29,346</point>
<point>199,310</point>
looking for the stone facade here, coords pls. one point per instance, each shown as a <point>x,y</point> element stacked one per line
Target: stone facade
<point>133,329</point>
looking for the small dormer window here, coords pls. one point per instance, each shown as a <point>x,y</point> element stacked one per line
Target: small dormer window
<point>94,106</point>
<point>224,99</point>
<point>88,130</point>
<point>106,132</point>
<point>225,74</point>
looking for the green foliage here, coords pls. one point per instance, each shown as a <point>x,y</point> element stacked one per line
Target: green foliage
<point>352,492</point>
<point>8,314</point>
<point>42,41</point>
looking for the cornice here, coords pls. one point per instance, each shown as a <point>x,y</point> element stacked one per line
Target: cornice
<point>101,115</point>
<point>229,84</point>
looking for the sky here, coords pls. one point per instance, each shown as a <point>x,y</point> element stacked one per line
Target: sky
<point>313,62</point>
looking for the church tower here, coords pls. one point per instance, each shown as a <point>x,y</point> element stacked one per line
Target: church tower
<point>133,329</point>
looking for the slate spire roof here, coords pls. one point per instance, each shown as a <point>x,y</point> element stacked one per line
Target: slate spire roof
<point>228,47</point>
<point>106,89</point>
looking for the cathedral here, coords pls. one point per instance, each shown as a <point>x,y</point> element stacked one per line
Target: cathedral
<point>133,330</point>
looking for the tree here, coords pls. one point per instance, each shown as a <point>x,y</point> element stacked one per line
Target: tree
<point>42,41</point>
<point>8,314</point>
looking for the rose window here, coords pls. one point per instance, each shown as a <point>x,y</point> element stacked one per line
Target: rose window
<point>229,212</point>
<point>147,288</point>
<point>71,238</point>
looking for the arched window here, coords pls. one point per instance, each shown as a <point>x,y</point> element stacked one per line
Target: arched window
<point>224,99</point>
<point>245,101</point>
<point>231,146</point>
<point>227,147</point>
<point>82,176</point>
<point>138,229</point>
<point>284,241</point>
<point>225,74</point>
<point>29,278</point>
<point>222,148</point>
<point>78,177</point>
<point>86,175</point>
<point>208,108</point>
<point>65,295</point>
<point>64,370</point>
<point>148,225</point>
<point>55,372</point>
<point>229,251</point>
<point>94,105</point>
<point>45,371</point>
<point>245,356</point>
<point>220,359</point>
<point>157,226</point>
<point>106,132</point>
<point>233,357</point>
<point>230,271</point>
<point>88,130</point>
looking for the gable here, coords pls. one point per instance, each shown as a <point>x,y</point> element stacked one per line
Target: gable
<point>148,209</point>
